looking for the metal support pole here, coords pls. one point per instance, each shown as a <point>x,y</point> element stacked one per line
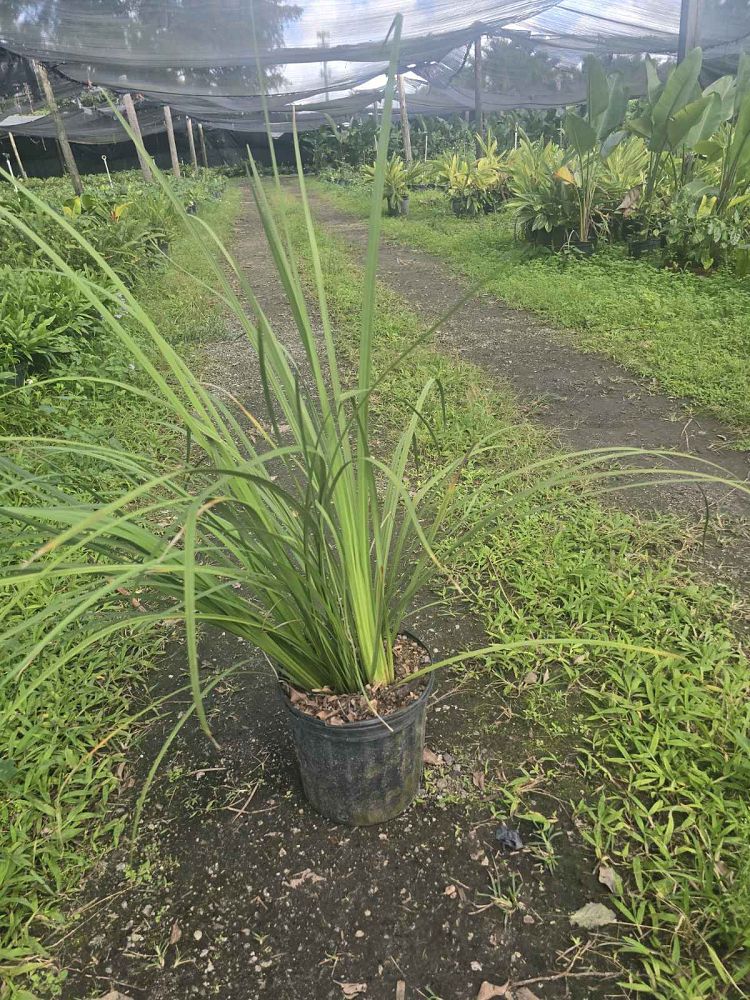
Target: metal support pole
<point>170,138</point>
<point>132,117</point>
<point>191,143</point>
<point>62,137</point>
<point>405,131</point>
<point>204,154</point>
<point>689,12</point>
<point>478,84</point>
<point>17,155</point>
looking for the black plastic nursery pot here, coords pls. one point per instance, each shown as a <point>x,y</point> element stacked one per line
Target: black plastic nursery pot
<point>400,208</point>
<point>637,248</point>
<point>585,247</point>
<point>361,773</point>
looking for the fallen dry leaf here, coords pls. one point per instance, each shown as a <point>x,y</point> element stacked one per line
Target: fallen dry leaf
<point>431,758</point>
<point>488,990</point>
<point>353,989</point>
<point>308,875</point>
<point>593,915</point>
<point>175,934</point>
<point>608,877</point>
<point>478,780</point>
<point>401,990</point>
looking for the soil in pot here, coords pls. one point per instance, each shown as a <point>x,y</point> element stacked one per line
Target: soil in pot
<point>358,768</point>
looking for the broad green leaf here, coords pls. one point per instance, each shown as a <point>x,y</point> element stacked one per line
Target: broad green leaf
<point>617,105</point>
<point>738,154</point>
<point>688,120</point>
<point>579,133</point>
<point>612,142</point>
<point>726,88</point>
<point>597,92</point>
<point>679,89</point>
<point>742,81</point>
<point>641,126</point>
<point>712,149</point>
<point>653,83</point>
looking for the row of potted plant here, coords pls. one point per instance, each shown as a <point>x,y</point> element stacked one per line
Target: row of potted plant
<point>670,171</point>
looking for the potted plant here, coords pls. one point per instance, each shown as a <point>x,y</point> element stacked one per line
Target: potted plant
<point>285,530</point>
<point>398,182</point>
<point>587,138</point>
<point>544,209</point>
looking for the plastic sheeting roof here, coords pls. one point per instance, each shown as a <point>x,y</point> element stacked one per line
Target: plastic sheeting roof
<point>206,57</point>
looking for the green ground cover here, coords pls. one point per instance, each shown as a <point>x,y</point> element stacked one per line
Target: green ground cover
<point>690,333</point>
<point>62,746</point>
<point>664,748</point>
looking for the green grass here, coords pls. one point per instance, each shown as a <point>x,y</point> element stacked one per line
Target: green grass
<point>666,758</point>
<point>61,755</point>
<point>691,334</point>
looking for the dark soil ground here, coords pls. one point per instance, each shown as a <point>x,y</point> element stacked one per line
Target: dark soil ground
<point>587,400</point>
<point>237,889</point>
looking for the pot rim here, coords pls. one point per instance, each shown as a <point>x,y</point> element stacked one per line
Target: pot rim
<point>375,721</point>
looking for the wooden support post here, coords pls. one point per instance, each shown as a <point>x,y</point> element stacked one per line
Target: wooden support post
<point>689,11</point>
<point>478,85</point>
<point>17,155</point>
<point>405,132</point>
<point>172,143</point>
<point>62,138</point>
<point>132,117</point>
<point>204,154</point>
<point>191,143</point>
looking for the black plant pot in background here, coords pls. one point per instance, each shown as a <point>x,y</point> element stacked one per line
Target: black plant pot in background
<point>637,248</point>
<point>365,772</point>
<point>585,247</point>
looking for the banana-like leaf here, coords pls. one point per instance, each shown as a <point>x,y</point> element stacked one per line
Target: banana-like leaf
<point>726,88</point>
<point>617,105</point>
<point>653,82</point>
<point>611,143</point>
<point>642,126</point>
<point>679,90</point>
<point>580,134</point>
<point>737,168</point>
<point>689,121</point>
<point>742,81</point>
<point>712,149</point>
<point>597,92</point>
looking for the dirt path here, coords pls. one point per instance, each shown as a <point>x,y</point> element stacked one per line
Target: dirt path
<point>589,401</point>
<point>238,890</point>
